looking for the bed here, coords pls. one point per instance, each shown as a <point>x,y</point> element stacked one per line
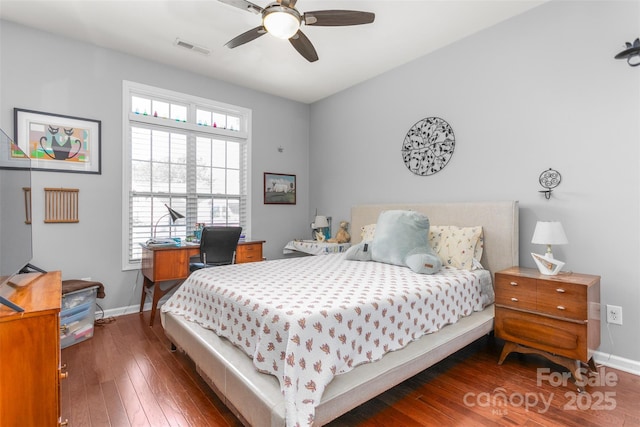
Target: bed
<point>256,397</point>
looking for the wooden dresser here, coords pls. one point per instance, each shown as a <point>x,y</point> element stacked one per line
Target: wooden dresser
<point>557,317</point>
<point>30,369</point>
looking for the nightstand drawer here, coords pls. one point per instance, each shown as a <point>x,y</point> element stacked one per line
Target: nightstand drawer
<point>559,337</point>
<point>560,299</point>
<point>516,292</point>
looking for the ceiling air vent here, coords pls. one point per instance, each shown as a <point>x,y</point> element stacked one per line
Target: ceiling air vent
<point>192,47</point>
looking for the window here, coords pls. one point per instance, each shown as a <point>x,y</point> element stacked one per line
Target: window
<point>185,152</point>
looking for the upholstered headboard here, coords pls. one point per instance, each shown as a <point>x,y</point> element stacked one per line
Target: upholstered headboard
<point>499,221</point>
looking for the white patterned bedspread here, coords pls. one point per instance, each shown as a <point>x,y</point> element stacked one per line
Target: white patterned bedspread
<point>308,319</point>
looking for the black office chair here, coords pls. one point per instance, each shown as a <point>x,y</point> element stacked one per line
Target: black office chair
<point>217,247</point>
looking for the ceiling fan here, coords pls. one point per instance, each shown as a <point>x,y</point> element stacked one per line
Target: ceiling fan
<point>281,19</point>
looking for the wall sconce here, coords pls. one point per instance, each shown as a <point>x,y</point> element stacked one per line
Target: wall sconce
<point>632,51</point>
<point>549,179</point>
<point>548,233</point>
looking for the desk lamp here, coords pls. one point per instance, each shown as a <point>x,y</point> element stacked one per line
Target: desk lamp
<point>548,233</point>
<point>174,217</point>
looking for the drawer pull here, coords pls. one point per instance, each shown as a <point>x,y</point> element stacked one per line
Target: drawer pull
<point>560,307</point>
<point>560,290</point>
<point>514,299</point>
<point>513,283</point>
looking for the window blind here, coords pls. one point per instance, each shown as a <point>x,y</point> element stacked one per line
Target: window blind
<point>188,154</point>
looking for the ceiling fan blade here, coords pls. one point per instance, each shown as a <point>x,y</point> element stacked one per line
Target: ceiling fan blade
<point>338,18</point>
<point>246,37</point>
<point>304,47</point>
<point>243,4</point>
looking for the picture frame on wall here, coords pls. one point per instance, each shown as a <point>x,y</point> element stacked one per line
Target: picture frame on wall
<point>279,189</point>
<point>54,142</point>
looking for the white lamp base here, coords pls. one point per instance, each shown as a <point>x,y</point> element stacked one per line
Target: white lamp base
<point>547,265</point>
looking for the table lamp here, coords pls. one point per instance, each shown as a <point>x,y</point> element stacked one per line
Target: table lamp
<point>321,222</point>
<point>548,233</point>
<point>174,217</point>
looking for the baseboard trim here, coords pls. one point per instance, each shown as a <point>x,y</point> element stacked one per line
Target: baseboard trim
<point>121,311</point>
<point>617,362</point>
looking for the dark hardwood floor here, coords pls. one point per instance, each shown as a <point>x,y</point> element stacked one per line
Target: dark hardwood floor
<point>126,376</point>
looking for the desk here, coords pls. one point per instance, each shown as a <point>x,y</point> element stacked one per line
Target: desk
<point>171,263</point>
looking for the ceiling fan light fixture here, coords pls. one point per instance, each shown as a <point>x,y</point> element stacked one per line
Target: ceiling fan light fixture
<point>281,22</point>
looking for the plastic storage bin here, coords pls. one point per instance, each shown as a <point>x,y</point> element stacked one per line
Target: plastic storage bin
<point>77,316</point>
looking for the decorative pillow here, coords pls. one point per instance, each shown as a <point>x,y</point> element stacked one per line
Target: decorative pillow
<point>400,235</point>
<point>423,260</point>
<point>359,252</point>
<point>435,235</point>
<point>367,232</point>
<point>457,246</point>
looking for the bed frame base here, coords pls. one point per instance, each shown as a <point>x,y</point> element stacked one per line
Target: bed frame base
<point>255,398</point>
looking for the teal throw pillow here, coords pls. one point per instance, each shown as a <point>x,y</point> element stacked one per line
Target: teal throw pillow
<point>402,238</point>
<point>359,252</point>
<point>423,261</point>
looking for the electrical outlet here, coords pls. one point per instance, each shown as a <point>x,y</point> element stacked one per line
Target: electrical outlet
<point>614,314</point>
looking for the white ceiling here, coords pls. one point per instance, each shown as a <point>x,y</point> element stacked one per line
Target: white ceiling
<point>402,31</point>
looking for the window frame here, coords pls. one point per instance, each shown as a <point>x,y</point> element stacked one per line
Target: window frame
<point>129,119</point>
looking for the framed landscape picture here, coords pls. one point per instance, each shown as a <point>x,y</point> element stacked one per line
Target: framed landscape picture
<point>279,189</point>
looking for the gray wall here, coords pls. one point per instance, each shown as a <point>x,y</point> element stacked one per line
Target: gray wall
<point>42,72</point>
<point>539,91</point>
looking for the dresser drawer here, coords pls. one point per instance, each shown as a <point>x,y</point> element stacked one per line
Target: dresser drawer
<point>516,292</point>
<point>561,299</point>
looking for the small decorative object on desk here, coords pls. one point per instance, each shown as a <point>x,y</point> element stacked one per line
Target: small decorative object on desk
<point>198,231</point>
<point>165,241</point>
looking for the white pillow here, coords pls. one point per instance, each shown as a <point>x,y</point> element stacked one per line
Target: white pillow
<point>367,232</point>
<point>457,246</point>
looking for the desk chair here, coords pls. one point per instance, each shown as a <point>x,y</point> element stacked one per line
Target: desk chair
<point>217,247</point>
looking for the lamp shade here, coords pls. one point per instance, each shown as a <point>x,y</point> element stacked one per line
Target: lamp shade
<point>549,233</point>
<point>174,215</point>
<point>320,222</point>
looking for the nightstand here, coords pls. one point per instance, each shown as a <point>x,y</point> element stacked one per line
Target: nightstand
<point>557,317</point>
